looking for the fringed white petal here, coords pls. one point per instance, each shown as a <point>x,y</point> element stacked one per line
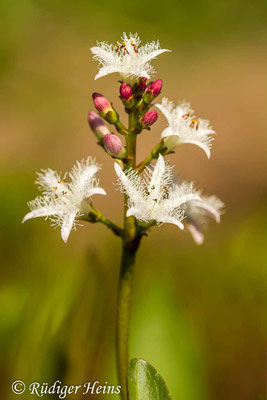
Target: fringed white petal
<point>67,225</point>
<point>166,107</point>
<point>173,221</point>
<point>196,233</point>
<point>157,177</point>
<point>131,212</point>
<point>41,212</point>
<point>98,190</point>
<point>209,209</point>
<point>131,183</point>
<point>153,54</point>
<point>198,143</point>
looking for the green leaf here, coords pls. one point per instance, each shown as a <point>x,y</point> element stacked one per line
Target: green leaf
<point>144,382</point>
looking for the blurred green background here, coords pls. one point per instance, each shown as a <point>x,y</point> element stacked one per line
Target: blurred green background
<point>199,313</point>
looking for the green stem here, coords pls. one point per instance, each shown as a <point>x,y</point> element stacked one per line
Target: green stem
<point>109,224</point>
<point>129,247</point>
<point>96,216</point>
<point>159,148</point>
<point>120,128</point>
<point>123,316</point>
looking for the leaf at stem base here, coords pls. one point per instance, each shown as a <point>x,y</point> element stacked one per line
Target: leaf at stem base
<point>144,382</point>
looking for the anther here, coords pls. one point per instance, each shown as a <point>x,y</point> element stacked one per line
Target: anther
<point>185,116</point>
<point>134,46</point>
<point>194,123</point>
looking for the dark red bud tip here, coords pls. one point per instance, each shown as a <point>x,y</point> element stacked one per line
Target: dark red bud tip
<point>126,91</point>
<point>155,87</point>
<point>142,84</point>
<point>101,103</point>
<point>150,118</point>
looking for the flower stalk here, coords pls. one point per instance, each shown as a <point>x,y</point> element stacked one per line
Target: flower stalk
<point>130,245</point>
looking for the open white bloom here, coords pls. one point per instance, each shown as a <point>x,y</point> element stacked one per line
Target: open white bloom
<point>126,57</point>
<point>155,197</point>
<point>65,202</point>
<point>198,213</point>
<point>184,127</point>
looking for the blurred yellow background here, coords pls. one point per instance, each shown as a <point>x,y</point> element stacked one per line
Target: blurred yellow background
<point>199,313</point>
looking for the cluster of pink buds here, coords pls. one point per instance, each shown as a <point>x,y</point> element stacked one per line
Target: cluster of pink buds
<point>137,100</point>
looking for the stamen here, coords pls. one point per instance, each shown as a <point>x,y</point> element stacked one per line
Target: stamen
<point>134,46</point>
<point>166,192</point>
<point>61,181</point>
<point>194,123</point>
<point>121,47</point>
<point>63,193</point>
<point>54,187</point>
<point>185,116</point>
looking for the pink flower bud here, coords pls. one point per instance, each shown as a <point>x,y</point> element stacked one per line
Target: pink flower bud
<point>155,87</point>
<point>97,125</point>
<point>126,91</point>
<point>113,145</point>
<point>101,103</point>
<point>149,118</point>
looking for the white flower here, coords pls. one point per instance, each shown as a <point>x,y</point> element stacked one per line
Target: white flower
<point>126,58</point>
<point>184,127</point>
<point>64,202</point>
<point>198,212</point>
<point>155,197</point>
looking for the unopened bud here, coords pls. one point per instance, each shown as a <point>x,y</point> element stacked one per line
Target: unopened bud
<point>126,91</point>
<point>155,87</point>
<point>153,90</point>
<point>101,103</point>
<point>126,95</point>
<point>114,146</point>
<point>149,118</point>
<point>105,108</point>
<point>97,125</point>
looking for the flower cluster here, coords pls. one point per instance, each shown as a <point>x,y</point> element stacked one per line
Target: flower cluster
<point>62,201</point>
<point>157,198</point>
<point>184,127</point>
<point>126,57</point>
<point>154,198</point>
